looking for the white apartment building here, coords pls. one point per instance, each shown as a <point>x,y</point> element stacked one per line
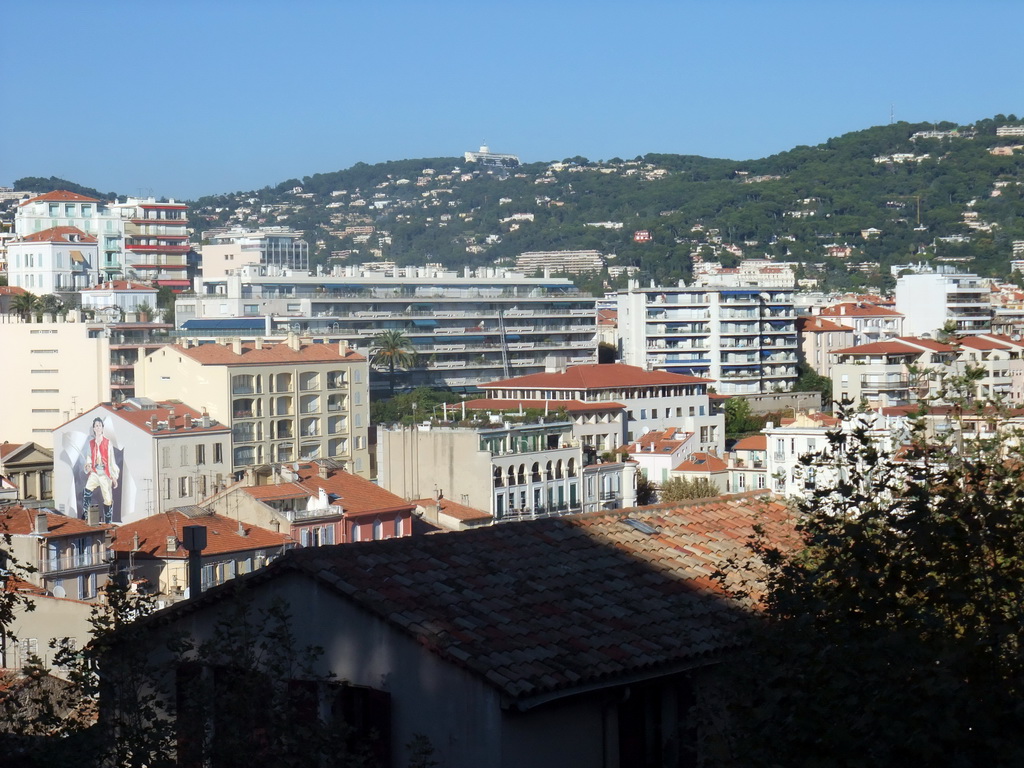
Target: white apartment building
<point>759,273</point>
<point>654,400</point>
<point>227,251</point>
<point>140,238</point>
<point>466,327</point>
<point>53,371</point>
<point>166,455</point>
<point>870,322</point>
<point>928,300</point>
<point>819,338</point>
<point>512,470</point>
<point>786,443</point>
<point>1001,358</point>
<point>114,298</point>
<point>743,339</point>
<point>55,259</point>
<point>569,262</point>
<point>287,402</point>
<point>888,373</point>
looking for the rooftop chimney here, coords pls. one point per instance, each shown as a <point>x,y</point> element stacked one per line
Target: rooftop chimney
<point>41,524</point>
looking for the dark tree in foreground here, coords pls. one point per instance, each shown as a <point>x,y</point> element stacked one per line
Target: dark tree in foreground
<point>894,635</point>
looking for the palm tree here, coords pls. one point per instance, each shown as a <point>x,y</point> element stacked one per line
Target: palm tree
<point>392,349</point>
<point>25,304</point>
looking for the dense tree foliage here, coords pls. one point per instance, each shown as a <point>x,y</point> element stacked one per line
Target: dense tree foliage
<point>893,632</point>
<point>683,488</point>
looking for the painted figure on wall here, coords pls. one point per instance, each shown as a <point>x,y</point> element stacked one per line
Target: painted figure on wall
<point>101,471</point>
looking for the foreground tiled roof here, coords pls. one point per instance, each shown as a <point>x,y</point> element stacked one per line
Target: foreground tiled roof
<point>595,376</point>
<point>550,605</point>
<point>222,535</point>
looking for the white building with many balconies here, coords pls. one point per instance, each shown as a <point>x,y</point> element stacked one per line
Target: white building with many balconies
<point>466,327</point>
<point>744,339</point>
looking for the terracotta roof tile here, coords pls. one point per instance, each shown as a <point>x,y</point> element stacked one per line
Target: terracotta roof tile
<point>59,235</point>
<point>355,495</point>
<point>546,605</point>
<point>702,462</point>
<point>21,521</point>
<point>859,310</point>
<point>752,443</point>
<point>60,196</point>
<point>222,535</point>
<point>454,509</point>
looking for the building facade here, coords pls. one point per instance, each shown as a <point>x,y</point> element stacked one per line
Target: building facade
<point>744,339</point>
<point>277,247</point>
<point>138,458</point>
<point>930,300</point>
<point>56,370</point>
<point>466,328</point>
<point>294,401</point>
<point>53,260</point>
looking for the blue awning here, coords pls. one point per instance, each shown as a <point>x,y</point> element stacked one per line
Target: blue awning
<point>425,323</point>
<point>230,324</point>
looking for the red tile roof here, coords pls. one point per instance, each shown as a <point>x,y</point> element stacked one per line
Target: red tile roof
<point>59,235</point>
<point>903,345</point>
<point>60,196</point>
<point>222,354</point>
<point>121,285</point>
<point>11,290</point>
<point>702,462</point>
<point>818,324</point>
<point>185,420</point>
<point>8,448</point>
<point>21,521</point>
<point>990,341</point>
<point>222,535</point>
<point>859,310</point>
<point>659,441</point>
<point>595,376</point>
<point>454,509</point>
<point>752,443</point>
<point>356,495</point>
<point>544,607</point>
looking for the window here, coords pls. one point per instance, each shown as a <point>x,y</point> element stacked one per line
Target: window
<point>167,487</point>
<point>184,455</point>
<point>165,455</point>
<point>184,487</point>
<point>218,453</point>
<point>200,454</point>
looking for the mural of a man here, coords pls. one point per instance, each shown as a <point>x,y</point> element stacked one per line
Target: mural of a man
<point>101,471</point>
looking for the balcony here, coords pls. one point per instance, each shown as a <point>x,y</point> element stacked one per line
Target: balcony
<point>78,561</point>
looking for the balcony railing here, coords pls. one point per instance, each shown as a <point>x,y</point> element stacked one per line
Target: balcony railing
<point>70,562</point>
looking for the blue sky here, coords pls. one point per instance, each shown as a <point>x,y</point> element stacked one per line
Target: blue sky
<point>195,97</point>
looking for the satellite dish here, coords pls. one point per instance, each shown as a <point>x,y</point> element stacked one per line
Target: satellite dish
<point>59,591</point>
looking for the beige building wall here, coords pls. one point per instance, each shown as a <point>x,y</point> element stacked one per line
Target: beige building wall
<point>52,372</point>
<point>279,412</point>
<point>218,260</point>
<point>52,619</point>
<point>417,464</point>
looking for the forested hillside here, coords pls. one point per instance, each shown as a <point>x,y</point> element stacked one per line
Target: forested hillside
<point>882,196</point>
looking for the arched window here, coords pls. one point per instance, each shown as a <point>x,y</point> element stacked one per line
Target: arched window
<point>558,470</point>
<point>572,468</point>
<point>498,477</point>
<point>535,472</point>
<point>522,474</point>
<point>548,474</point>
